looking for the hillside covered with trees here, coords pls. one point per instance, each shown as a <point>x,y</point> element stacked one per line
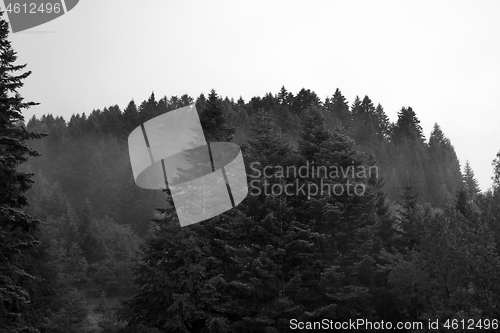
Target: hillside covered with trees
<point>83,249</point>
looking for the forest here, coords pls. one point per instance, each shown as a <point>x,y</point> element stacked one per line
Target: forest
<point>83,249</point>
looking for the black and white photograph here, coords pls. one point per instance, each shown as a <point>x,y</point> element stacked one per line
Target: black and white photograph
<point>249,166</point>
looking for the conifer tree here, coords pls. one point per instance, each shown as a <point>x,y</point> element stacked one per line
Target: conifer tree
<point>470,182</point>
<point>305,99</point>
<point>384,124</point>
<point>148,109</point>
<point>443,174</point>
<point>407,127</point>
<point>177,280</point>
<point>496,172</point>
<point>339,109</point>
<point>313,133</point>
<point>282,96</point>
<point>16,227</point>
<point>213,120</point>
<point>131,117</point>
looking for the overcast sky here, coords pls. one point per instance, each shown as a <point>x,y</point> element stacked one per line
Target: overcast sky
<point>442,58</point>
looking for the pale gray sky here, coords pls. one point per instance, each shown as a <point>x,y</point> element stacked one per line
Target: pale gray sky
<point>442,58</point>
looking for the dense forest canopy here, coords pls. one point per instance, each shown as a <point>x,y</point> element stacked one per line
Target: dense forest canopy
<point>274,257</point>
<point>84,249</point>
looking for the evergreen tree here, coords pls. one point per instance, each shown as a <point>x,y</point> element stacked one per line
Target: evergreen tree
<point>149,109</point>
<point>496,172</point>
<point>241,102</point>
<point>265,145</point>
<point>178,280</point>
<point>443,174</point>
<point>410,149</point>
<point>213,120</point>
<point>305,99</point>
<point>409,218</point>
<point>470,182</point>
<point>384,124</point>
<point>338,108</point>
<point>407,128</point>
<point>313,133</point>
<point>131,117</point>
<point>16,227</point>
<point>282,96</point>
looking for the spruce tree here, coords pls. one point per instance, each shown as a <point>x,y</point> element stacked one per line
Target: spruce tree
<point>443,174</point>
<point>282,96</point>
<point>384,124</point>
<point>407,128</point>
<point>213,120</point>
<point>304,100</point>
<point>339,109</point>
<point>496,172</point>
<point>313,134</point>
<point>131,117</point>
<point>16,227</point>
<point>470,182</point>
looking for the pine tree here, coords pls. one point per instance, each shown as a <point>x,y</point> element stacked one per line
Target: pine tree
<point>313,134</point>
<point>16,227</point>
<point>131,117</point>
<point>409,217</point>
<point>383,122</point>
<point>407,128</point>
<point>411,151</point>
<point>178,280</point>
<point>496,172</point>
<point>443,174</point>
<point>366,124</point>
<point>213,120</point>
<point>265,145</point>
<point>264,149</point>
<point>339,109</point>
<point>470,182</point>
<point>282,96</point>
<point>240,102</point>
<point>149,109</point>
<point>304,100</point>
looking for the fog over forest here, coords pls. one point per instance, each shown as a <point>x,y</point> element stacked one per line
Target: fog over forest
<point>352,222</point>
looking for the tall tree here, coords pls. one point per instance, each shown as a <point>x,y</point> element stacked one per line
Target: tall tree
<point>338,108</point>
<point>305,99</point>
<point>443,174</point>
<point>383,122</point>
<point>16,227</point>
<point>282,96</point>
<point>470,182</point>
<point>131,117</point>
<point>213,120</point>
<point>407,128</point>
<point>496,172</point>
<point>410,147</point>
<point>313,133</point>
